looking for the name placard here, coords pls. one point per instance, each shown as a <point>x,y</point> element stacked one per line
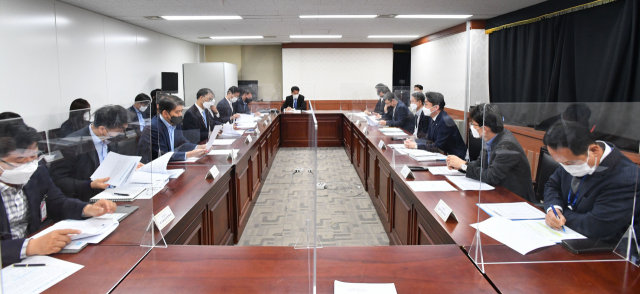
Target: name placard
<point>381,145</point>
<point>406,172</point>
<point>257,131</point>
<point>365,131</point>
<point>213,172</point>
<point>248,139</point>
<point>264,122</point>
<point>444,211</point>
<point>163,218</point>
<point>358,123</point>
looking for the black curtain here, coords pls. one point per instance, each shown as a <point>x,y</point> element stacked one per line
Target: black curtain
<point>590,55</point>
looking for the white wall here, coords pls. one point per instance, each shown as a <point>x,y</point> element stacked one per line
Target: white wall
<point>440,66</point>
<point>336,74</point>
<point>53,53</point>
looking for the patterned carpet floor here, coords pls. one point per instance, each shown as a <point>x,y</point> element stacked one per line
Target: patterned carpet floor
<point>345,214</point>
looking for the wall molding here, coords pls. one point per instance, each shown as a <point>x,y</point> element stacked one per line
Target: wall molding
<point>475,25</point>
<point>336,45</point>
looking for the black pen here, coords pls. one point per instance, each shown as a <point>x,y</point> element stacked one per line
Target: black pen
<point>120,194</point>
<point>28,264</point>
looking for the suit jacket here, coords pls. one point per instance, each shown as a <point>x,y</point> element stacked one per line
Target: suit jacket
<point>224,110</point>
<point>605,201</point>
<point>135,121</point>
<point>288,102</point>
<point>508,166</point>
<point>443,134</point>
<point>59,207</point>
<point>69,127</point>
<point>423,124</point>
<point>193,126</point>
<point>155,141</point>
<point>379,107</point>
<point>401,118</point>
<point>241,107</point>
<point>72,173</point>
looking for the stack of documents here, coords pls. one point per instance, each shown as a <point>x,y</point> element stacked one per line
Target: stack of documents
<point>212,136</point>
<point>118,168</point>
<point>372,121</point>
<point>360,114</point>
<point>126,193</point>
<point>224,152</point>
<point>392,132</point>
<point>512,211</point>
<point>222,142</point>
<point>422,155</point>
<point>229,132</point>
<point>92,230</point>
<point>468,184</point>
<point>371,288</point>
<point>36,279</point>
<point>246,125</point>
<point>399,148</point>
<point>430,186</point>
<point>444,171</point>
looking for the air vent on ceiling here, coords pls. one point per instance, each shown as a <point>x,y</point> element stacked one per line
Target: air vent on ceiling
<point>154,17</point>
<point>387,16</point>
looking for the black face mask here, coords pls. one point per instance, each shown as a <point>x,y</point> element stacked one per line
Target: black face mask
<point>248,100</point>
<point>176,120</point>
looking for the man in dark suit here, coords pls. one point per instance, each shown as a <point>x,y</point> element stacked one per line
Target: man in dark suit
<point>199,119</point>
<point>29,198</point>
<point>242,104</point>
<point>593,193</point>
<point>164,134</point>
<point>421,121</point>
<point>400,116</point>
<point>295,101</point>
<point>140,112</point>
<point>225,106</point>
<point>503,162</point>
<point>381,90</point>
<point>443,134</point>
<point>72,174</point>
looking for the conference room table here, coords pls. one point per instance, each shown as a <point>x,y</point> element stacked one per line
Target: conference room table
<point>215,212</point>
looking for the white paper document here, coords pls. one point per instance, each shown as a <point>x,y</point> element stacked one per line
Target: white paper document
<point>245,126</point>
<point>437,157</point>
<point>118,168</point>
<point>212,136</point>
<point>127,192</point>
<point>361,288</point>
<point>372,121</point>
<point>513,211</point>
<point>245,118</point>
<point>147,178</point>
<point>158,165</point>
<point>222,142</point>
<point>517,236</point>
<point>88,227</point>
<point>228,132</point>
<point>224,152</point>
<point>540,227</point>
<point>468,184</point>
<point>175,173</point>
<point>23,280</point>
<point>397,146</point>
<point>444,171</point>
<point>430,186</point>
<point>361,114</point>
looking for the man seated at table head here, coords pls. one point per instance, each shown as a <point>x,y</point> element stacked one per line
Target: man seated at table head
<point>593,191</point>
<point>29,197</point>
<point>140,112</point>
<point>164,134</point>
<point>400,116</point>
<point>199,120</point>
<point>90,146</point>
<point>295,101</point>
<point>421,120</point>
<point>379,109</point>
<point>242,105</point>
<point>418,88</point>
<point>225,106</point>
<point>443,134</point>
<point>503,161</point>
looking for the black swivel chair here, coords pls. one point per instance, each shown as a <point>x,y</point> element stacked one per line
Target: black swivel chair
<point>546,167</point>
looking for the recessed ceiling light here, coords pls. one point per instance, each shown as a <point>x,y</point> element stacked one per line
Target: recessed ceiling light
<point>338,16</point>
<point>431,16</point>
<point>315,36</point>
<point>393,36</point>
<point>202,17</point>
<point>234,37</point>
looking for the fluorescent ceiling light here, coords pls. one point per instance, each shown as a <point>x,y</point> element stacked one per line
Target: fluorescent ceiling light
<point>393,36</point>
<point>202,17</point>
<point>234,37</point>
<point>338,16</point>
<point>315,36</point>
<point>431,16</point>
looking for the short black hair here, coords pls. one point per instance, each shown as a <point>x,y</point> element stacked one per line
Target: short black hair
<point>435,98</point>
<point>380,85</point>
<point>203,92</point>
<point>16,135</point>
<point>384,89</point>
<point>389,97</point>
<point>111,117</point>
<point>79,104</point>
<point>233,90</point>
<point>419,97</point>
<point>569,134</point>
<point>142,97</point>
<point>11,116</point>
<point>488,115</point>
<point>169,103</point>
<point>419,87</point>
<point>153,93</point>
<point>295,88</point>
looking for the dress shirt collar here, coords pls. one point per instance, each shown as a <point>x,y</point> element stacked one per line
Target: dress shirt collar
<point>169,126</point>
<point>435,117</point>
<point>96,141</point>
<point>200,109</point>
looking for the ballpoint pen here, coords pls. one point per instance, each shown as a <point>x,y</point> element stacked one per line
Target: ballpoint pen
<point>556,213</point>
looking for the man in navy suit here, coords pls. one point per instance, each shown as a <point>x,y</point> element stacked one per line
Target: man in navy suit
<point>225,106</point>
<point>421,121</point>
<point>140,111</point>
<point>242,104</point>
<point>199,119</point>
<point>165,134</point>
<point>381,90</point>
<point>399,117</point>
<point>443,134</point>
<point>593,193</point>
<point>295,101</point>
<point>29,197</point>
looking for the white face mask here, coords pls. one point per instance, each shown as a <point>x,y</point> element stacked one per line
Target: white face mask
<point>143,108</point>
<point>296,96</point>
<point>474,132</point>
<point>427,111</point>
<point>87,116</point>
<point>19,175</point>
<point>234,99</point>
<point>580,170</point>
<point>208,104</point>
<point>413,107</point>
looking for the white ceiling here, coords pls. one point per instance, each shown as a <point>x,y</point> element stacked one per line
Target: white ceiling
<point>279,18</point>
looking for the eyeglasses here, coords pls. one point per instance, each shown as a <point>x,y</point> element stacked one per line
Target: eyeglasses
<point>39,156</point>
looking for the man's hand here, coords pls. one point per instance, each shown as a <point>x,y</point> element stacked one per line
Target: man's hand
<point>100,207</point>
<point>140,164</point>
<point>50,243</point>
<point>454,162</point>
<point>410,144</point>
<point>198,152</point>
<point>237,115</point>
<point>100,184</point>
<point>378,116</point>
<point>382,123</point>
<point>257,113</point>
<point>214,109</point>
<point>553,221</point>
<point>367,112</point>
<point>201,146</point>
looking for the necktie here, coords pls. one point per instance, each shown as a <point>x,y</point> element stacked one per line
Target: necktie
<point>295,102</point>
<point>204,117</point>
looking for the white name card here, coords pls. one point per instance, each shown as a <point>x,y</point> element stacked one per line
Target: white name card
<point>248,139</point>
<point>232,155</point>
<point>264,122</point>
<point>257,131</point>
<point>406,172</point>
<point>213,172</point>
<point>164,217</point>
<point>381,145</point>
<point>444,211</point>
<point>358,123</point>
<point>365,131</point>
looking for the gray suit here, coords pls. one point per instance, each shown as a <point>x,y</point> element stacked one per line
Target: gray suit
<point>509,166</point>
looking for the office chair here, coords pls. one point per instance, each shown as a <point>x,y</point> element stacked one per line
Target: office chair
<point>546,167</point>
